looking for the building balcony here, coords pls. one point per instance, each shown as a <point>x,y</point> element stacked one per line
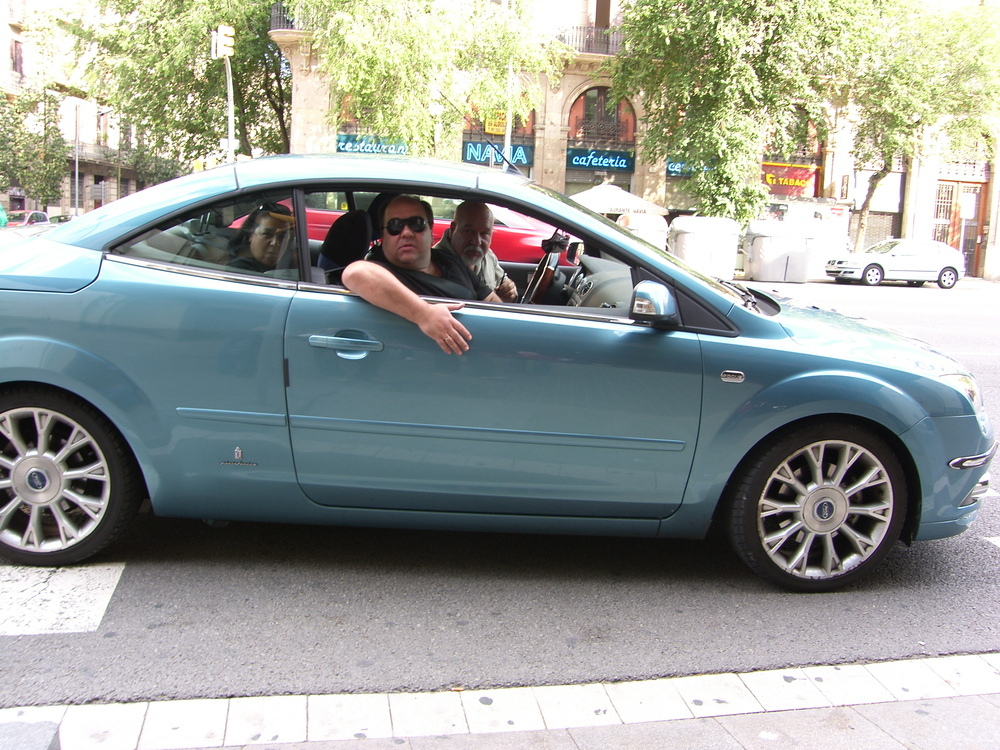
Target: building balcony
<point>593,40</point>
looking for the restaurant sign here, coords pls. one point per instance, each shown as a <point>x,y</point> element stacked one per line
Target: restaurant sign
<point>368,144</point>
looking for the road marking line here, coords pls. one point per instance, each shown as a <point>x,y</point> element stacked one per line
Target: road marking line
<point>40,601</point>
<point>993,539</point>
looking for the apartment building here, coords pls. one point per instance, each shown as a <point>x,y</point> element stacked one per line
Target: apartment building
<point>97,170</point>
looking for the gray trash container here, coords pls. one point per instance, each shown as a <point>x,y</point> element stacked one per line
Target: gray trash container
<point>709,244</point>
<point>777,251</point>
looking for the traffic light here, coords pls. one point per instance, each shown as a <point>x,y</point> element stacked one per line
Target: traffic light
<point>222,41</point>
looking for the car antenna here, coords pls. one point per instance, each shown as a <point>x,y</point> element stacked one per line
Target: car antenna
<point>511,167</point>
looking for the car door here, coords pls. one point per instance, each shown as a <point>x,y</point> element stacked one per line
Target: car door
<point>556,415</point>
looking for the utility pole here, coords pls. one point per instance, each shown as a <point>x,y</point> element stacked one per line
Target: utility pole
<point>222,46</point>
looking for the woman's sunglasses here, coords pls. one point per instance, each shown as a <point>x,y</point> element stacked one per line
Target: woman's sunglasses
<point>416,223</point>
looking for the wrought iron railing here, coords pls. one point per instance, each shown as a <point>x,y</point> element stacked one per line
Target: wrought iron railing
<point>592,39</point>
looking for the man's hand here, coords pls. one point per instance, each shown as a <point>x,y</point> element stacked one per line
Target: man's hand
<point>507,290</point>
<point>437,322</point>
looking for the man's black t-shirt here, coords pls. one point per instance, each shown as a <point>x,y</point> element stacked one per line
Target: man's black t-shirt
<point>455,282</point>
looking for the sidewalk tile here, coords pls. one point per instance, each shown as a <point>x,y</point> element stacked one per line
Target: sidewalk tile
<point>992,659</point>
<point>911,680</point>
<point>502,710</point>
<point>32,714</point>
<point>348,717</point>
<point>716,695</point>
<point>272,720</point>
<point>575,706</point>
<point>111,726</point>
<point>647,700</point>
<point>969,675</point>
<point>422,714</point>
<point>686,734</point>
<point>816,728</point>
<point>179,725</point>
<point>960,723</point>
<point>848,685</point>
<point>558,740</point>
<point>784,689</point>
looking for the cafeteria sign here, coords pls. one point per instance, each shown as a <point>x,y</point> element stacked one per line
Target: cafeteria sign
<point>368,144</point>
<point>615,161</point>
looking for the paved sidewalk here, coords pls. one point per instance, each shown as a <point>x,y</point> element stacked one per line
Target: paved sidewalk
<point>942,703</point>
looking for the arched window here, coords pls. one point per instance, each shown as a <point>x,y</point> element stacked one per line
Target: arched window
<point>593,124</point>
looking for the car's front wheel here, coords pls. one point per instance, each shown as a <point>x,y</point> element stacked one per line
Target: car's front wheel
<point>68,484</point>
<point>947,278</point>
<point>818,508</point>
<point>872,276</point>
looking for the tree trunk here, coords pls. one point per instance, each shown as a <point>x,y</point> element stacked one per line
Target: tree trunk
<point>873,183</point>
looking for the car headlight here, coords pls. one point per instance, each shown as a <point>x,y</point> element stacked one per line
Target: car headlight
<point>967,385</point>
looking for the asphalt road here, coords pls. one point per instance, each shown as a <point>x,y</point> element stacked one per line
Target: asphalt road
<point>263,610</point>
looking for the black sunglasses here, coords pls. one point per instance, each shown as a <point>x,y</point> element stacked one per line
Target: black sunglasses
<point>416,223</point>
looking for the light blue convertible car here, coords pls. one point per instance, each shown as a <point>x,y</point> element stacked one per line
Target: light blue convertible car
<point>624,394</point>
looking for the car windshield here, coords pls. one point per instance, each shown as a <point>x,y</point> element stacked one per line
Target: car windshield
<point>883,247</point>
<point>735,292</point>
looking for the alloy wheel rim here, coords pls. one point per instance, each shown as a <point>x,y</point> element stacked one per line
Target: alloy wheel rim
<point>54,480</point>
<point>825,509</point>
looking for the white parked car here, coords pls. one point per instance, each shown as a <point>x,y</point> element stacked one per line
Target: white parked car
<point>913,261</point>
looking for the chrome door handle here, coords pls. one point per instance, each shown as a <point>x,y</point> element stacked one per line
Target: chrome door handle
<point>346,344</point>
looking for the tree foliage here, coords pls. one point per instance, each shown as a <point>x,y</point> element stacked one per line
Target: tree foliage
<point>722,81</point>
<point>33,152</point>
<point>925,72</point>
<point>150,61</point>
<point>412,71</point>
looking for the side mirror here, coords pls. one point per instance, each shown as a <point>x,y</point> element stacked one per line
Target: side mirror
<point>573,254</point>
<point>654,303</point>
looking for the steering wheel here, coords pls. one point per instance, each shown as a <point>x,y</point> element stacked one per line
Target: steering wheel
<point>541,279</point>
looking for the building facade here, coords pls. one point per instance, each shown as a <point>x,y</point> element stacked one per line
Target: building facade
<point>571,142</point>
<point>97,171</point>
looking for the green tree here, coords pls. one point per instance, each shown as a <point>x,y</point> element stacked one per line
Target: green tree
<point>723,81</point>
<point>150,61</point>
<point>33,152</point>
<point>927,73</point>
<point>413,71</point>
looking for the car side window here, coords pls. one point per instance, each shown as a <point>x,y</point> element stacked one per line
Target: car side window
<point>248,235</point>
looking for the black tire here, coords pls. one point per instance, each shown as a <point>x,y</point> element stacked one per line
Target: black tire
<point>947,278</point>
<point>818,508</point>
<point>69,485</point>
<point>872,276</point>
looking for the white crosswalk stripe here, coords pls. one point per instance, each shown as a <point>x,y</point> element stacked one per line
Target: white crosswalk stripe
<point>39,601</point>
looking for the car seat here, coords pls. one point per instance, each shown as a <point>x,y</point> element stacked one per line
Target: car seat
<point>346,241</point>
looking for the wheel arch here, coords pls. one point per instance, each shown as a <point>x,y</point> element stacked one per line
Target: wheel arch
<point>914,494</point>
<point>102,386</point>
<point>724,447</point>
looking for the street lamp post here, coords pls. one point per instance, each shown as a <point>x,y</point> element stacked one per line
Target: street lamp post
<point>223,38</point>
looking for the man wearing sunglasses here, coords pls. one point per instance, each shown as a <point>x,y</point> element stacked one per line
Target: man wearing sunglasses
<point>407,266</point>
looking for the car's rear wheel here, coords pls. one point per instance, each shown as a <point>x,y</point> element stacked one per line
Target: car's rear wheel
<point>68,483</point>
<point>818,508</point>
<point>947,278</point>
<point>872,276</point>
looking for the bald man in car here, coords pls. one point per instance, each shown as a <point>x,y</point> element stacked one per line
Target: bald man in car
<point>469,237</point>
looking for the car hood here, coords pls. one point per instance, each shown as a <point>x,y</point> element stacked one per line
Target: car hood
<point>37,264</point>
<point>828,333</point>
